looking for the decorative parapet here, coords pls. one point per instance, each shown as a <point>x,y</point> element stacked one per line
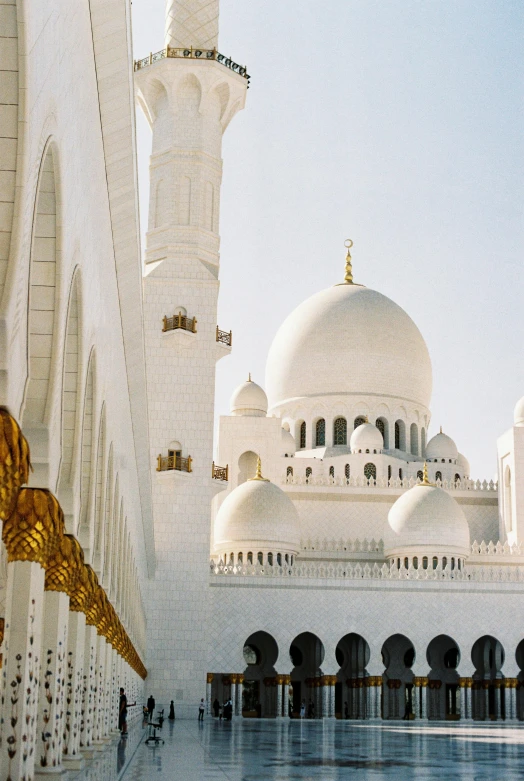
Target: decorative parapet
<point>364,571</point>
<point>220,472</point>
<point>224,337</point>
<point>167,463</point>
<point>496,549</point>
<point>383,482</point>
<point>188,53</point>
<point>349,546</point>
<point>179,321</point>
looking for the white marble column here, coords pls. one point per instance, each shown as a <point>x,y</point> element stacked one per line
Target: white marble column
<point>511,699</point>
<point>22,643</point>
<point>331,702</point>
<point>209,682</point>
<point>285,696</point>
<point>73,690</point>
<point>465,693</point>
<point>485,685</point>
<point>88,689</point>
<point>234,695</point>
<point>52,675</point>
<point>280,681</point>
<point>115,693</point>
<point>424,699</point>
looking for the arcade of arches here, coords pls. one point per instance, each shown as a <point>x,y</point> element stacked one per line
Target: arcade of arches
<point>262,691</point>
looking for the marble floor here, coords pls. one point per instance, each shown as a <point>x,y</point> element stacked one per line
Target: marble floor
<point>259,750</point>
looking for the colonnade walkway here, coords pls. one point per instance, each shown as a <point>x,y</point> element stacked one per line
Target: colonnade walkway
<point>327,750</point>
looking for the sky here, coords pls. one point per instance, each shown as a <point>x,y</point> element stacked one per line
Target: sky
<point>400,124</point>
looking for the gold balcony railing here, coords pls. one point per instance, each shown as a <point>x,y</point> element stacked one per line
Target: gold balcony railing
<point>192,54</point>
<point>180,321</point>
<point>219,472</point>
<point>165,463</point>
<point>225,337</point>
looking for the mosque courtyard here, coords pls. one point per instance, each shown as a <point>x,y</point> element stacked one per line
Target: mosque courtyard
<point>270,750</point>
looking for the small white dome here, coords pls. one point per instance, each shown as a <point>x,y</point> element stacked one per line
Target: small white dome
<point>426,519</point>
<point>441,446</point>
<point>463,466</point>
<point>366,437</point>
<point>289,446</point>
<point>518,413</point>
<point>257,515</point>
<point>249,399</point>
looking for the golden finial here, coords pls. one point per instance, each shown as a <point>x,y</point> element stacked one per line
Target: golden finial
<point>425,478</point>
<point>441,429</point>
<point>348,278</point>
<point>366,419</point>
<point>249,377</point>
<point>258,475</point>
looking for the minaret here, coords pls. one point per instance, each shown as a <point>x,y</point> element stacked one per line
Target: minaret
<point>189,93</point>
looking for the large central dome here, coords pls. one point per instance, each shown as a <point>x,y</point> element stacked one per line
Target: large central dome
<point>348,340</point>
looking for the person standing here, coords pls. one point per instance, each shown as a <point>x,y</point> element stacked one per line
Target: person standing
<point>171,716</point>
<point>303,709</point>
<point>216,707</point>
<point>201,709</point>
<point>151,706</point>
<point>122,711</point>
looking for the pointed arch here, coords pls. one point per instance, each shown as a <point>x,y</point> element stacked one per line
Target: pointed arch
<point>103,504</point>
<point>110,522</point>
<point>87,450</point>
<point>70,400</point>
<point>41,312</point>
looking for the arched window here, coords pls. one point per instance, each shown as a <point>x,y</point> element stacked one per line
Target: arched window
<point>508,505</point>
<point>286,557</point>
<point>401,474</point>
<point>415,562</point>
<point>444,562</point>
<point>382,425</point>
<point>332,471</point>
<point>250,557</point>
<point>260,557</point>
<point>303,435</point>
<point>420,475</point>
<point>413,439</point>
<point>239,558</point>
<point>425,562</point>
<point>423,441</point>
<point>359,420</point>
<point>406,563</point>
<point>340,431</point>
<point>435,562</point>
<point>389,472</point>
<point>289,471</point>
<point>309,472</point>
<point>320,433</point>
<point>347,471</point>
<point>270,559</point>
<point>457,478</point>
<point>438,476</point>
<point>279,559</point>
<point>370,471</point>
<point>400,435</point>
<point>453,563</point>
<point>398,563</point>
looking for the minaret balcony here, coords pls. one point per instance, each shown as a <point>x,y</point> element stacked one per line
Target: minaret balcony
<point>192,54</point>
<point>179,321</point>
<point>220,472</point>
<point>174,463</point>
<point>224,340</point>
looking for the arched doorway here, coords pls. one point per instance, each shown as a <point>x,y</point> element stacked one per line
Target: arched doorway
<point>307,654</point>
<point>488,656</point>
<point>443,657</point>
<point>398,655</point>
<point>351,701</point>
<point>519,655</point>
<point>259,696</point>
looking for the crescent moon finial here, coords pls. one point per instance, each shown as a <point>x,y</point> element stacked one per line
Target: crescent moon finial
<point>348,277</point>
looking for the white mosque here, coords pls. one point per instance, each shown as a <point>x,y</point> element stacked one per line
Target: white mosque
<point>327,550</point>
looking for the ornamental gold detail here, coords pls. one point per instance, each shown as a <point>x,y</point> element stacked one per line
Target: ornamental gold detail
<point>15,463</point>
<point>34,529</point>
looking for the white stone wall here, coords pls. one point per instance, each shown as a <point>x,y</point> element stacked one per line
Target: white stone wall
<point>418,610</point>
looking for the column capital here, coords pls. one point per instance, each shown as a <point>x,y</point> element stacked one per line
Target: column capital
<point>15,462</point>
<point>209,678</point>
<point>34,530</point>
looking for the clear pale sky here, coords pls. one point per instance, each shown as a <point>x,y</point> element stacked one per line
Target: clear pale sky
<point>398,123</point>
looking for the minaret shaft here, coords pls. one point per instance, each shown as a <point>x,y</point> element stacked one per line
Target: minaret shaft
<point>192,23</point>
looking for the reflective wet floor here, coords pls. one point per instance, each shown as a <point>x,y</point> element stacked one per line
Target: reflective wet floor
<point>259,750</point>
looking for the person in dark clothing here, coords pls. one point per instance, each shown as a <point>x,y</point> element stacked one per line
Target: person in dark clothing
<point>346,711</point>
<point>151,706</point>
<point>216,707</point>
<point>122,711</point>
<point>171,716</point>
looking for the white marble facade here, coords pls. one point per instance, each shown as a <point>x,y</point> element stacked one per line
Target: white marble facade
<point>335,549</point>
